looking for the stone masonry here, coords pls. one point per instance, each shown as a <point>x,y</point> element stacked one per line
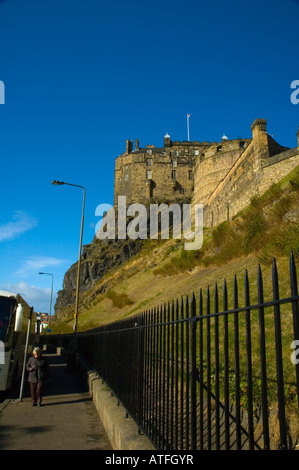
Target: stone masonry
<point>222,176</point>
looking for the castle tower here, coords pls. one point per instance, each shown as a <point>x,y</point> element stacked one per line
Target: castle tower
<point>167,141</point>
<point>260,139</point>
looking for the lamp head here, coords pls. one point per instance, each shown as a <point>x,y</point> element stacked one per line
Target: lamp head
<point>57,183</point>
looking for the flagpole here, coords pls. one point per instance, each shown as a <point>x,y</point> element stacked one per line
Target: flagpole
<point>188,115</point>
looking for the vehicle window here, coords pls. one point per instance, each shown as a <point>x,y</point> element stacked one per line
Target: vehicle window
<point>6,309</point>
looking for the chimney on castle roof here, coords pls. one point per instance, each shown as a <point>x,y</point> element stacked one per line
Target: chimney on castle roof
<point>129,146</point>
<point>136,144</point>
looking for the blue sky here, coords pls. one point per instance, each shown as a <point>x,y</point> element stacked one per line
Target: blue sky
<point>81,77</point>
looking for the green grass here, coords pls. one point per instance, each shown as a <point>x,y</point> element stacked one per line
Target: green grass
<point>261,228</point>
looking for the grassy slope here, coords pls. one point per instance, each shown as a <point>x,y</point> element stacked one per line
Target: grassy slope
<point>163,270</point>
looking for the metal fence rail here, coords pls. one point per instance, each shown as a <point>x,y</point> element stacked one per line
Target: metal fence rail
<point>197,375</point>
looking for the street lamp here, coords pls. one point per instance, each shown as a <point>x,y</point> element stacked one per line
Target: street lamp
<point>59,183</point>
<point>49,274</point>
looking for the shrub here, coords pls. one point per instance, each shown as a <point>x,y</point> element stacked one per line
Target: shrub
<point>119,300</point>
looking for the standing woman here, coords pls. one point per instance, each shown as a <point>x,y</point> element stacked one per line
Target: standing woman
<point>38,368</point>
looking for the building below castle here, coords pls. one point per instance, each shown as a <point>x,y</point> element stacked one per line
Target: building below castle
<point>222,176</point>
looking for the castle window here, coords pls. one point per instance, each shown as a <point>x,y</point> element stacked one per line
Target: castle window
<point>242,144</point>
<point>176,153</point>
<point>190,175</point>
<point>149,174</point>
<point>126,177</point>
<point>173,174</point>
<point>196,152</point>
<point>174,163</point>
<point>182,190</point>
<point>149,162</point>
<point>149,152</point>
<point>219,148</point>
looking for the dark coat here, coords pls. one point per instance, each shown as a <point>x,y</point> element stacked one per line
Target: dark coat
<point>38,369</point>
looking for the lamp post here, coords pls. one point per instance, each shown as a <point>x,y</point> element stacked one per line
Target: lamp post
<point>49,274</point>
<point>59,183</point>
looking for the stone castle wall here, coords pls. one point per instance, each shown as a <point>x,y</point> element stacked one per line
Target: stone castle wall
<point>154,174</point>
<point>252,173</point>
<point>222,176</point>
<point>213,165</point>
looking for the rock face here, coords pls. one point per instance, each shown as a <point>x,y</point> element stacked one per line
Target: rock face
<point>98,258</point>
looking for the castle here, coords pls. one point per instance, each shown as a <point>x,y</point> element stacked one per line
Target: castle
<point>222,176</point>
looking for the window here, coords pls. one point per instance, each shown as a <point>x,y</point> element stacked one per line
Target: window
<point>190,175</point>
<point>196,152</point>
<point>126,177</point>
<point>176,153</point>
<point>219,148</point>
<point>149,174</point>
<point>173,174</point>
<point>149,162</point>
<point>174,163</point>
<point>149,152</point>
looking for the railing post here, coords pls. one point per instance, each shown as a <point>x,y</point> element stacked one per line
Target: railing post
<point>279,363</point>
<point>165,411</point>
<point>182,394</point>
<point>187,346</point>
<point>208,370</point>
<point>201,404</point>
<point>226,367</point>
<point>263,360</point>
<point>160,320</point>
<point>249,362</point>
<point>294,293</point>
<point>141,372</point>
<point>172,377</point>
<point>168,404</point>
<point>237,365</point>
<point>217,400</point>
<point>193,372</point>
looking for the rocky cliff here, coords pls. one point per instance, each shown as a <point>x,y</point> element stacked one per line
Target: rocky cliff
<point>98,258</point>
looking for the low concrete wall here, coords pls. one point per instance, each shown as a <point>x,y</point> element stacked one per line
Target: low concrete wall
<point>121,430</point>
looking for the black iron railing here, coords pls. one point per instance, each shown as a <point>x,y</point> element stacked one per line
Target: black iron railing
<point>197,375</point>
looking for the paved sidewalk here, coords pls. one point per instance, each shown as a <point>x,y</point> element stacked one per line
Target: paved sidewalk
<point>67,420</point>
